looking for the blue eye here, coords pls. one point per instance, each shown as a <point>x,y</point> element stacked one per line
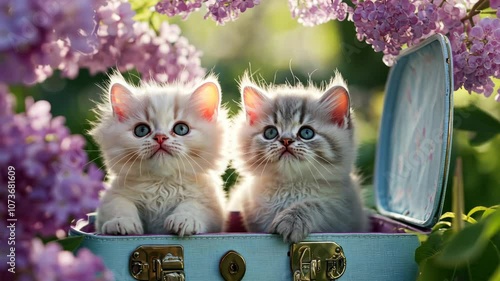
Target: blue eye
<point>306,133</point>
<point>270,132</point>
<point>181,129</point>
<point>141,130</point>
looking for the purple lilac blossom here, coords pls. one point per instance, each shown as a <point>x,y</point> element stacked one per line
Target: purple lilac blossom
<point>495,4</point>
<point>51,263</point>
<point>178,7</point>
<point>390,25</point>
<point>126,44</point>
<point>53,181</point>
<point>220,11</point>
<point>311,13</point>
<point>450,15</point>
<point>42,36</point>
<point>476,57</point>
<point>223,11</point>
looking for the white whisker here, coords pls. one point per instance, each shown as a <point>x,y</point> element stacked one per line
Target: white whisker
<point>128,171</point>
<point>194,161</point>
<point>201,157</point>
<point>324,159</point>
<point>321,174</point>
<point>312,174</point>
<point>127,155</point>
<point>331,172</point>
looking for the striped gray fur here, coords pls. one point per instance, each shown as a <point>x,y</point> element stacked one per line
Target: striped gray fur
<point>309,184</point>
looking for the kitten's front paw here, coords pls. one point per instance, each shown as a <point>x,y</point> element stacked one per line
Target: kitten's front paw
<point>183,225</point>
<point>122,226</point>
<point>291,226</point>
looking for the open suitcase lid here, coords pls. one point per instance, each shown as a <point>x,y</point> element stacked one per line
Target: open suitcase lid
<point>414,144</point>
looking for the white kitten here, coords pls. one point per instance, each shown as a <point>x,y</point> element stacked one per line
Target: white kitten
<point>296,151</point>
<point>162,145</point>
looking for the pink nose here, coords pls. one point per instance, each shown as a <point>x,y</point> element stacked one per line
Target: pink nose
<point>286,141</point>
<point>160,138</point>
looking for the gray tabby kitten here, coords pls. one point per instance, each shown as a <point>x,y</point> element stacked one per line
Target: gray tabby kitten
<point>296,151</point>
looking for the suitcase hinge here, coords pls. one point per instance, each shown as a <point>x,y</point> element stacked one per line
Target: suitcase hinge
<point>317,261</point>
<point>157,263</point>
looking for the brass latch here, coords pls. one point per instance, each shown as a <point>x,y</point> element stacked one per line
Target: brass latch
<point>317,261</point>
<point>157,263</point>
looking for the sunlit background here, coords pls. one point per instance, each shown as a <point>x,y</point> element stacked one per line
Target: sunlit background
<point>268,42</point>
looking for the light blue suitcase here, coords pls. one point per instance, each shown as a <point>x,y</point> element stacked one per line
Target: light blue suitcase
<point>411,172</point>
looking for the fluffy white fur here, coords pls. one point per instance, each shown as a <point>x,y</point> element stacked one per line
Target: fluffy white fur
<point>312,187</point>
<point>168,187</point>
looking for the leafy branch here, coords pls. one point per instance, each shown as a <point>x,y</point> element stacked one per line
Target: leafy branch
<point>462,246</point>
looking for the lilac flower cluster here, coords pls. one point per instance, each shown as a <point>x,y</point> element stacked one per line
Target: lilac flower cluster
<point>126,44</point>
<point>389,25</point>
<point>310,13</point>
<point>450,15</point>
<point>42,36</point>
<point>39,36</point>
<point>477,58</point>
<point>50,263</point>
<point>178,7</point>
<point>52,185</point>
<point>220,11</point>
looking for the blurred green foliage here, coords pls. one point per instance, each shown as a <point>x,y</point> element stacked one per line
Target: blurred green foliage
<point>470,253</point>
<point>268,42</point>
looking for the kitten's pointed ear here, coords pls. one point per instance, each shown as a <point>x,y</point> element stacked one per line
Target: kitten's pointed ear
<point>206,100</point>
<point>121,100</point>
<point>253,98</point>
<point>337,101</point>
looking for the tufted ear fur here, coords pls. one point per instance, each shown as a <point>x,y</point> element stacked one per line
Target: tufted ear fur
<point>206,100</point>
<point>253,98</point>
<point>337,100</point>
<point>121,100</point>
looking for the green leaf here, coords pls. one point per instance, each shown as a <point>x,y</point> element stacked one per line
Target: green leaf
<point>440,225</point>
<point>492,222</point>
<point>431,246</point>
<point>144,9</point>
<point>451,215</point>
<point>70,243</point>
<point>468,244</point>
<point>142,4</point>
<point>422,237</point>
<point>470,220</point>
<point>447,215</point>
<point>476,209</point>
<point>496,275</point>
<point>464,246</point>
<point>48,239</point>
<point>482,137</point>
<point>489,211</point>
<point>472,118</point>
<point>156,20</point>
<point>484,266</point>
<point>430,271</point>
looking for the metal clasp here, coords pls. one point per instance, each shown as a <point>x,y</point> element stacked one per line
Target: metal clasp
<point>317,261</point>
<point>157,263</point>
<point>232,266</point>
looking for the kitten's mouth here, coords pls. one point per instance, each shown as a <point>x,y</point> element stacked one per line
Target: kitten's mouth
<point>160,151</point>
<point>287,153</point>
